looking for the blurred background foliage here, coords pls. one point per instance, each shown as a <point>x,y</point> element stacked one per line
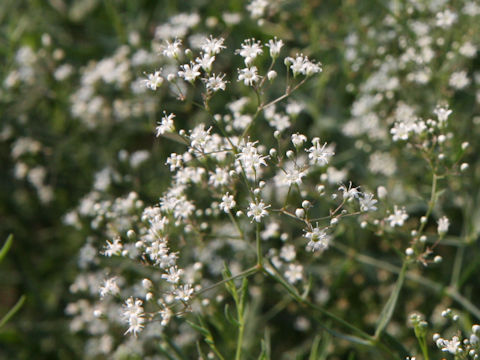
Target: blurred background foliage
<point>42,261</point>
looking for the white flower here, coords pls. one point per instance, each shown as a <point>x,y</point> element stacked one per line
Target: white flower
<point>114,248</point>
<point>302,65</point>
<point>257,210</point>
<point>318,239</point>
<point>183,292</point>
<point>249,75</point>
<point>154,80</point>
<point>294,273</point>
<point>166,315</point>
<point>109,287</point>
<point>275,47</point>
<point>288,253</point>
<point>189,72</point>
<point>172,50</point>
<point>219,177</point>
<point>166,125</point>
<point>215,83</point>
<point>250,50</point>
<point>459,80</point>
<point>443,225</point>
<point>134,315</point>
<point>398,217</point>
<point>451,346</point>
<point>173,275</point>
<point>298,139</point>
<point>250,158</point>
<point>292,176</point>
<point>446,18</point>
<point>205,62</point>
<point>367,202</point>
<point>319,154</point>
<point>257,8</point>
<point>350,192</point>
<point>212,45</point>
<point>227,203</point>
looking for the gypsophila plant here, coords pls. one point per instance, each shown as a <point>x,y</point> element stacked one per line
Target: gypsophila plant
<point>241,180</point>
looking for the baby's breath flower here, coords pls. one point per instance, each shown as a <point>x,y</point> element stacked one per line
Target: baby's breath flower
<point>249,75</point>
<point>257,210</point>
<point>227,203</point>
<point>215,82</point>
<point>114,248</point>
<point>212,46</point>
<point>154,80</point>
<point>134,315</point>
<point>294,273</point>
<point>250,50</point>
<point>367,202</point>
<point>319,154</point>
<point>318,239</point>
<point>443,224</point>
<point>109,287</point>
<point>205,62</point>
<point>189,72</point>
<point>398,217</point>
<point>166,125</point>
<point>172,50</point>
<point>275,46</point>
<point>298,139</point>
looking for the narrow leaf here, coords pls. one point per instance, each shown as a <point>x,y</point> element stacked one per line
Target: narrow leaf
<point>6,247</point>
<point>13,310</point>
<point>389,308</point>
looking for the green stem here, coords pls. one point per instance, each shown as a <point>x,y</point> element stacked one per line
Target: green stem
<point>241,329</point>
<point>237,226</point>
<point>259,248</point>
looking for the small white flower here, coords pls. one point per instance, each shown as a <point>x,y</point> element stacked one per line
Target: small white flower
<point>172,50</point>
<point>134,315</point>
<point>442,113</point>
<point>318,239</point>
<point>173,275</point>
<point>227,203</point>
<point>114,248</point>
<point>287,253</point>
<point>350,192</point>
<point>398,217</point>
<point>298,139</point>
<point>443,225</point>
<point>257,210</point>
<point>367,202</point>
<point>205,62</point>
<point>213,46</point>
<point>249,75</point>
<point>294,273</point>
<point>215,83</point>
<point>109,287</point>
<point>319,154</point>
<point>446,18</point>
<point>250,50</point>
<point>275,46</point>
<point>166,125</point>
<point>154,80</point>
<point>189,72</point>
<point>183,293</point>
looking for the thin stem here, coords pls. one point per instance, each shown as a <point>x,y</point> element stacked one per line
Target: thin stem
<point>245,273</point>
<point>241,330</point>
<point>259,247</point>
<point>237,225</point>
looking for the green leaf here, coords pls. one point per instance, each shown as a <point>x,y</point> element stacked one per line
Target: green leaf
<point>389,308</point>
<point>314,350</point>
<point>13,310</point>
<point>6,247</point>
